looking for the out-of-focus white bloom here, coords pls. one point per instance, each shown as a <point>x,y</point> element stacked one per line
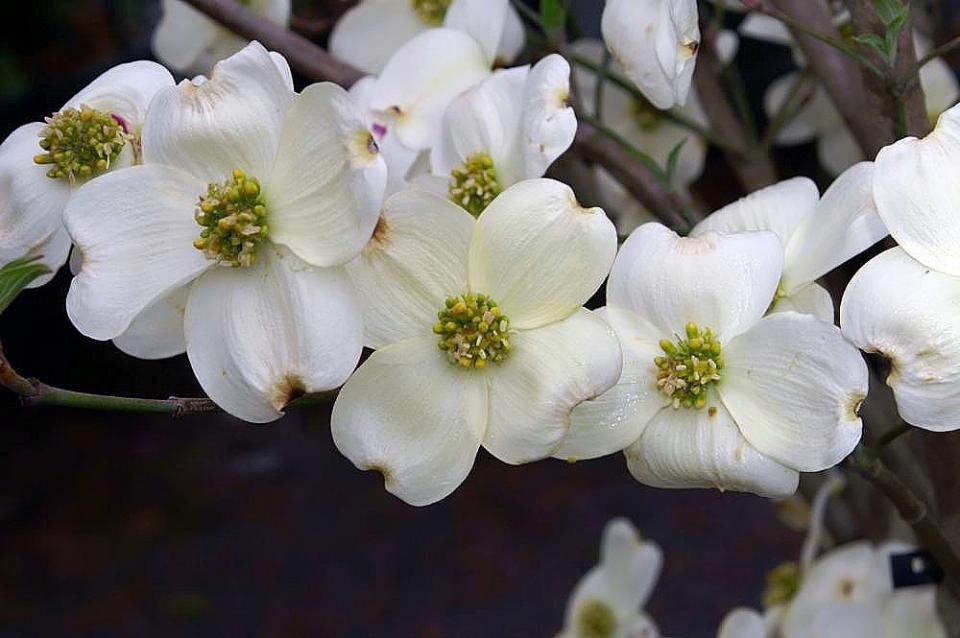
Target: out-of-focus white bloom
<point>817,234</point>
<point>845,593</point>
<point>516,349</point>
<point>228,242</point>
<point>714,394</point>
<point>508,128</point>
<point>644,126</point>
<point>903,303</point>
<point>848,593</point>
<point>743,623</point>
<point>656,43</point>
<point>608,601</point>
<point>43,163</point>
<point>818,119</point>
<point>370,33</point>
<point>188,41</point>
<point>420,80</point>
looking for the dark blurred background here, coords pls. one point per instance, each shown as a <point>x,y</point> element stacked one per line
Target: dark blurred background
<point>135,525</point>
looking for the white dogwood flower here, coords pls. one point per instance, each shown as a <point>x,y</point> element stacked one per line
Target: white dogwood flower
<point>402,163</point>
<point>818,234</point>
<point>43,163</point>
<point>421,79</point>
<point>608,601</point>
<point>818,119</point>
<point>656,43</point>
<point>480,334</point>
<point>188,41</point>
<point>714,394</point>
<point>370,33</point>
<point>648,128</point>
<point>228,242</point>
<point>902,303</point>
<point>508,128</point>
<point>848,593</point>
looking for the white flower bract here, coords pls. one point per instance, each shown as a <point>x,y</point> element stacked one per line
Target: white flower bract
<point>818,234</point>
<point>31,203</point>
<point>518,119</point>
<point>656,43</point>
<point>903,303</point>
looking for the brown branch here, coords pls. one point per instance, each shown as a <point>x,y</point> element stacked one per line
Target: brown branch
<point>303,55</point>
<point>593,146</point>
<point>898,95</point>
<point>840,76</point>
<point>911,509</point>
<point>748,159</point>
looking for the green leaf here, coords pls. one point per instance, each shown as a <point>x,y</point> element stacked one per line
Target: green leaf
<point>16,276</point>
<point>881,44</point>
<point>890,10</point>
<point>673,159</point>
<point>552,14</point>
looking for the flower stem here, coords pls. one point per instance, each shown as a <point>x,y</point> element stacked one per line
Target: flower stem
<point>33,392</point>
<point>911,509</point>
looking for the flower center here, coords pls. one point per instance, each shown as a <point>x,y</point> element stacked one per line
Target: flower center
<point>432,12</point>
<point>80,143</point>
<point>783,583</point>
<point>233,216</point>
<point>474,184</point>
<point>473,331</point>
<point>596,620</point>
<point>689,366</point>
<point>647,116</point>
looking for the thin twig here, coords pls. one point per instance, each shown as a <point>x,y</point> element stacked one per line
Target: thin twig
<point>940,51</point>
<point>788,110</point>
<point>310,26</point>
<point>602,75</point>
<point>33,392</point>
<point>911,509</point>
<point>670,115</point>
<point>822,36</point>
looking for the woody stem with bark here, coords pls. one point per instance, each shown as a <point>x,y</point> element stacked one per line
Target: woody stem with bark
<point>911,509</point>
<point>897,91</point>
<point>33,392</point>
<point>838,73</point>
